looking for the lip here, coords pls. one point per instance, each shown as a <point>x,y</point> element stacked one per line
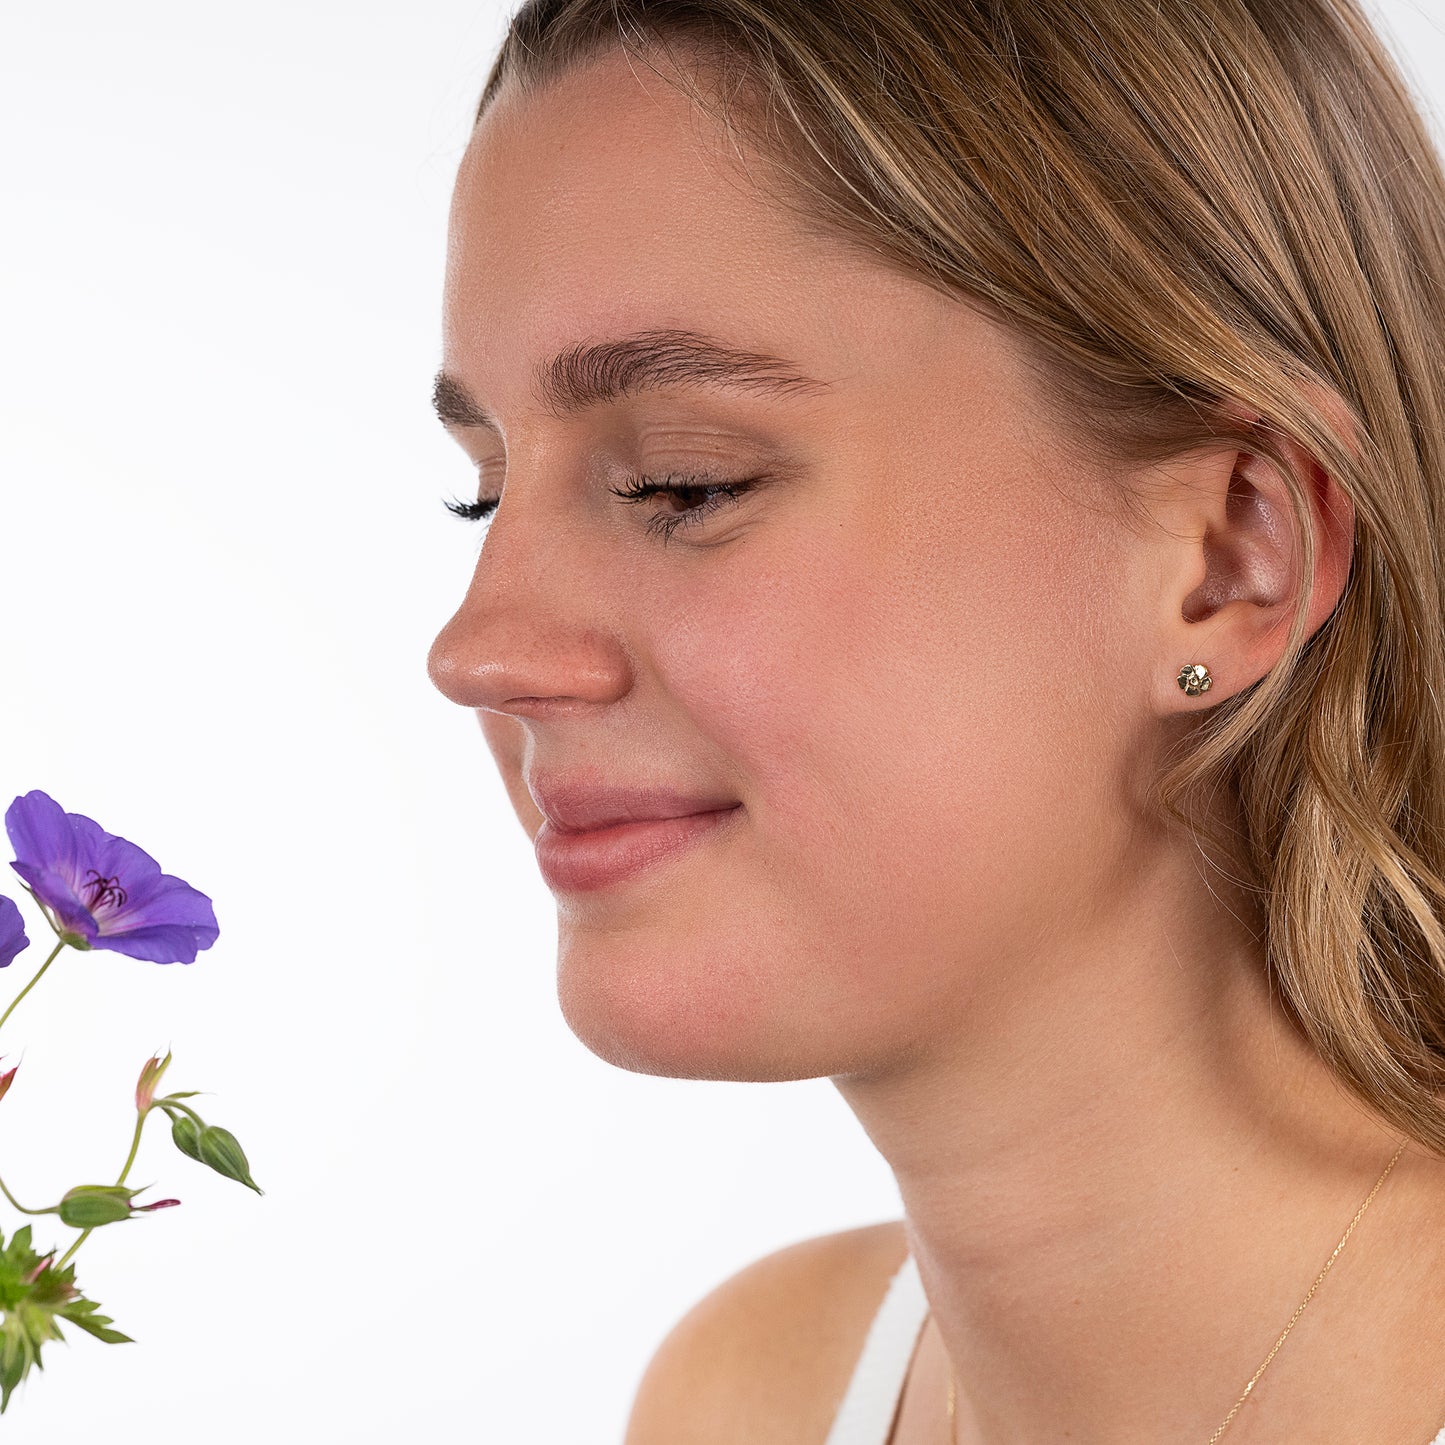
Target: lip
<point>572,805</point>
<point>584,860</point>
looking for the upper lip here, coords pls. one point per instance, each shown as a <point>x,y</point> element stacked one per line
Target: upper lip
<point>576,807</point>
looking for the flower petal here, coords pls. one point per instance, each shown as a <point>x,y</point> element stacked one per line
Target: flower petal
<point>105,887</point>
<point>41,834</point>
<point>162,913</point>
<point>12,931</point>
<point>161,942</point>
<point>70,913</point>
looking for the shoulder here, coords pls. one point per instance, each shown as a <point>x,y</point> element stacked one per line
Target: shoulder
<point>767,1354</point>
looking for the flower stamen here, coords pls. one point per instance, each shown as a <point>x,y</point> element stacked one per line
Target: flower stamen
<point>104,890</point>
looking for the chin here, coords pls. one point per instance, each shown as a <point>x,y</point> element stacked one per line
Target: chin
<point>690,1012</point>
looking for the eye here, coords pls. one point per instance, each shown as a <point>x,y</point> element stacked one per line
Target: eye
<point>708,494</point>
<point>472,511</point>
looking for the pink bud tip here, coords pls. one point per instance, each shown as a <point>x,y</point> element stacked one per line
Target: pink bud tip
<point>145,1087</point>
<point>159,1204</point>
<point>40,1268</point>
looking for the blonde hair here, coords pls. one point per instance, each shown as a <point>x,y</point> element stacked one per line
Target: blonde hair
<point>1180,208</point>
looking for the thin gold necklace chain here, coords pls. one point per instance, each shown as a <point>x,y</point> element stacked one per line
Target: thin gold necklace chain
<point>1319,1279</point>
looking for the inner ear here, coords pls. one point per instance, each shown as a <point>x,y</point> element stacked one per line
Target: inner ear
<point>1250,557</point>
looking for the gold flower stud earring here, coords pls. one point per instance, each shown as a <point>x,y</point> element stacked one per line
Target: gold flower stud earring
<point>1194,678</point>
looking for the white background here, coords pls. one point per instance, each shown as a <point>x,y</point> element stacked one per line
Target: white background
<point>224,558</point>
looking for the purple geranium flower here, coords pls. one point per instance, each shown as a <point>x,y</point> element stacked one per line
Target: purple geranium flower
<point>12,931</point>
<point>103,891</point>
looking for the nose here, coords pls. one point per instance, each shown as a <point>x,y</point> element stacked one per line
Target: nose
<point>530,637</point>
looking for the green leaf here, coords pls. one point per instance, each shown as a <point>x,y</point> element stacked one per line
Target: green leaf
<point>35,1296</point>
<point>78,1312</point>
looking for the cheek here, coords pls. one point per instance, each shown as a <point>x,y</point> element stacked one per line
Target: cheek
<point>911,676</point>
<point>909,717</point>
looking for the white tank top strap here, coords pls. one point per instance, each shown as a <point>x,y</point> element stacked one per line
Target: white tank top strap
<point>866,1413</point>
<point>870,1403</point>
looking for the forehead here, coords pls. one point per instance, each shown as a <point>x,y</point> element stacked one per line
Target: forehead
<point>608,201</point>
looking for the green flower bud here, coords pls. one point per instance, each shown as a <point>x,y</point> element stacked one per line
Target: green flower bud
<point>186,1135</point>
<point>221,1150</point>
<point>88,1206</point>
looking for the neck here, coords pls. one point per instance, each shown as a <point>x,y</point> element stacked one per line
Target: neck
<point>1123,1174</point>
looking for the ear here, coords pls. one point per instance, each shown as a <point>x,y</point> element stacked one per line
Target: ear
<point>1231,563</point>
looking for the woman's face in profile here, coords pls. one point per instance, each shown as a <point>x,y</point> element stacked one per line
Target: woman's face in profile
<point>901,649</point>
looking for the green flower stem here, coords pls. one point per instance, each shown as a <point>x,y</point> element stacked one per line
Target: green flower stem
<point>32,982</point>
<point>129,1160</point>
<point>20,1206</point>
<point>169,1104</point>
<point>134,1144</point>
<point>75,1244</point>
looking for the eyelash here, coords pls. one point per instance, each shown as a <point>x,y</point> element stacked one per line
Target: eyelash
<point>639,489</point>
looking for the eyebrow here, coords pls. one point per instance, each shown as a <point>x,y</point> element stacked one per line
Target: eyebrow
<point>593,373</point>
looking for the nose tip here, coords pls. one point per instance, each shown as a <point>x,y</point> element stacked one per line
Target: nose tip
<point>512,661</point>
<point>465,663</point>
<point>442,663</point>
<point>530,636</point>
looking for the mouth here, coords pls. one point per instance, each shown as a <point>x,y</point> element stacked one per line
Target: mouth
<point>576,860</point>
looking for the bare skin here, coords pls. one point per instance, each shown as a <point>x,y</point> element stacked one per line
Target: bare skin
<point>933,670</point>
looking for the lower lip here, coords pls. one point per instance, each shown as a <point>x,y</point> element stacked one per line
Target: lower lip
<point>581,862</point>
